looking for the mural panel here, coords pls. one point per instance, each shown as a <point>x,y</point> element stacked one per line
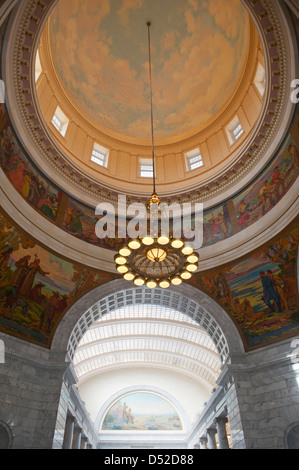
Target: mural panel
<point>259,291</point>
<point>142,411</point>
<point>36,286</point>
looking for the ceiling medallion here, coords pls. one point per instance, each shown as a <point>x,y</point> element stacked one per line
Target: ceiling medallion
<point>157,259</point>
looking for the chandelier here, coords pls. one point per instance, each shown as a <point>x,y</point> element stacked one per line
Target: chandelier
<point>156,259</point>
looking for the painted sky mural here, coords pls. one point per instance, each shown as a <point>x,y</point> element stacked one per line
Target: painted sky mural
<point>142,411</point>
<point>198,54</point>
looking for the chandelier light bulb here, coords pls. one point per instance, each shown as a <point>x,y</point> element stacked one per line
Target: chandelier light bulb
<point>177,243</point>
<point>151,284</point>
<point>120,260</point>
<point>191,268</point>
<point>163,240</point>
<point>139,281</point>
<point>134,244</point>
<point>187,250</point>
<point>129,276</point>
<point>164,284</point>
<point>193,258</point>
<point>122,269</point>
<point>186,275</point>
<point>148,241</point>
<point>176,281</point>
<point>125,251</point>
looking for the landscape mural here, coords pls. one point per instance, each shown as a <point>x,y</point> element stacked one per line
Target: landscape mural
<point>259,291</point>
<point>36,286</point>
<point>142,411</point>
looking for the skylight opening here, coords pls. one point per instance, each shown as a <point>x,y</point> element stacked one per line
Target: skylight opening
<point>60,121</point>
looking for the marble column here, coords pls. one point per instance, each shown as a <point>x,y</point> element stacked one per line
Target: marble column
<point>203,442</point>
<point>221,431</point>
<point>68,433</point>
<point>211,433</point>
<point>84,442</point>
<point>77,437</point>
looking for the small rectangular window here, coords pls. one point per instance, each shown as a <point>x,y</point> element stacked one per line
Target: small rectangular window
<point>38,67</point>
<point>260,79</point>
<point>100,155</point>
<point>146,168</point>
<point>234,130</point>
<point>60,121</point>
<point>193,159</point>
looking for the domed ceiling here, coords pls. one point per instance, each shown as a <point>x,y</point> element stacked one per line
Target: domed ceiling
<point>100,51</point>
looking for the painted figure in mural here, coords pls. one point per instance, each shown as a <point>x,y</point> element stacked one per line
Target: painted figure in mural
<point>264,195</point>
<point>244,215</point>
<point>4,258</point>
<point>278,286</point>
<point>28,282</point>
<point>278,182</point>
<point>49,206</point>
<point>77,226</point>
<point>295,154</point>
<point>70,218</point>
<point>20,272</point>
<point>16,174</point>
<point>270,295</point>
<point>36,294</point>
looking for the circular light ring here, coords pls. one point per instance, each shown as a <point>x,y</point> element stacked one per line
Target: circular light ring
<point>192,268</point>
<point>121,260</point>
<point>122,269</point>
<point>148,241</point>
<point>125,251</point>
<point>177,243</point>
<point>193,258</point>
<point>134,244</point>
<point>187,250</point>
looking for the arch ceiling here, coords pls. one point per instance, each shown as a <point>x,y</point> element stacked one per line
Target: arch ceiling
<point>152,335</point>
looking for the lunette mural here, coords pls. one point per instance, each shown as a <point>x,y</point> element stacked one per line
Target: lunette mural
<point>142,411</point>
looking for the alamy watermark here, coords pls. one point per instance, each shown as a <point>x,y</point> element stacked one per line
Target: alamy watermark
<point>295,356</point>
<point>138,221</point>
<point>2,92</point>
<point>2,352</point>
<point>295,93</point>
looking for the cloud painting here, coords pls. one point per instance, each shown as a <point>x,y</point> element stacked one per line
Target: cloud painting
<point>100,51</point>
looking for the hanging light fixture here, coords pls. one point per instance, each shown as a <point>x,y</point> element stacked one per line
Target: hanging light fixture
<point>156,259</point>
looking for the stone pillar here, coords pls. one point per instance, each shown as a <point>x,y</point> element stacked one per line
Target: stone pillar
<point>211,433</point>
<point>68,433</point>
<point>203,442</point>
<point>77,437</point>
<point>221,431</point>
<point>84,442</point>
